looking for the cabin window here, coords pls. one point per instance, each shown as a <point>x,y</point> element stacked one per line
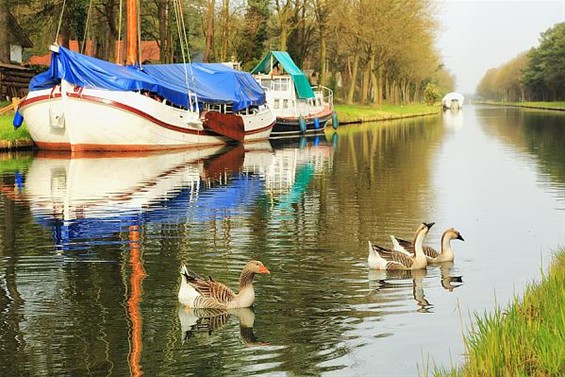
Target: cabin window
<point>277,104</point>
<point>285,104</point>
<point>267,83</point>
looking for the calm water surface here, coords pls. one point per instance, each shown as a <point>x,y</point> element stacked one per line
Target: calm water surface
<point>91,248</point>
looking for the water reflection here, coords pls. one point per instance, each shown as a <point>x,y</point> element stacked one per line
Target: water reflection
<point>94,197</point>
<point>393,284</point>
<point>197,321</point>
<point>449,280</point>
<point>453,118</point>
<point>306,209</point>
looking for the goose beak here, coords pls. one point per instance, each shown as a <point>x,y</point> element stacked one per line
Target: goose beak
<point>429,225</point>
<point>264,270</point>
<point>460,237</point>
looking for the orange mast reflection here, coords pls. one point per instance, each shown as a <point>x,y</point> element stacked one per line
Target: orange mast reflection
<point>134,311</point>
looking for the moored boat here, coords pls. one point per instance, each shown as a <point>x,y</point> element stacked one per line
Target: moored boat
<point>299,108</point>
<point>82,103</point>
<point>452,101</point>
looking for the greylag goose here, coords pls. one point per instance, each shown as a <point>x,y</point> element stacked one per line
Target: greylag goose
<point>382,258</point>
<point>197,292</point>
<point>433,256</point>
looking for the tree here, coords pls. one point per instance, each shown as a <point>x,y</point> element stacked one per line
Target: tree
<point>251,46</point>
<point>431,94</point>
<point>545,74</point>
<point>4,32</point>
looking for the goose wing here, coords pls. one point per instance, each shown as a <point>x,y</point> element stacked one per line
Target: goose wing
<point>396,259</point>
<point>213,294</point>
<point>429,251</point>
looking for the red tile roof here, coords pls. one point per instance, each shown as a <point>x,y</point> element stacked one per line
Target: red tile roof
<point>149,52</point>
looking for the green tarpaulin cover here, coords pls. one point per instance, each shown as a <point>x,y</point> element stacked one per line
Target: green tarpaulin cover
<point>301,83</point>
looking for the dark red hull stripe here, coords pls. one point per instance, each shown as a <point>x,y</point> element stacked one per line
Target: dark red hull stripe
<point>142,114</point>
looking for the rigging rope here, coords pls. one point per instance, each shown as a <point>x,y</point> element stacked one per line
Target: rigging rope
<point>183,38</point>
<point>82,49</point>
<point>119,33</point>
<point>60,22</point>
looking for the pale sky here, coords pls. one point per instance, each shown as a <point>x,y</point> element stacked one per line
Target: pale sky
<point>478,35</point>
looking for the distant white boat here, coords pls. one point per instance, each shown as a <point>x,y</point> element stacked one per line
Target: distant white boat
<point>453,101</point>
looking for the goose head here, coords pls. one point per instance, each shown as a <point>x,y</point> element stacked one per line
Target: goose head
<point>452,234</point>
<point>256,267</point>
<point>421,234</point>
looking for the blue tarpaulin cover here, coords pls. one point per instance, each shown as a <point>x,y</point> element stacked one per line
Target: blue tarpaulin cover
<point>213,82</point>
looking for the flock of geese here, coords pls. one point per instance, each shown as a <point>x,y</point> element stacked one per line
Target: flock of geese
<point>197,292</point>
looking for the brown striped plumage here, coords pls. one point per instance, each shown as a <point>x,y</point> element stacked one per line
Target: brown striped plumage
<point>198,292</point>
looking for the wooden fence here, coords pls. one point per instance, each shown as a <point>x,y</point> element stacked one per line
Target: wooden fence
<point>14,81</point>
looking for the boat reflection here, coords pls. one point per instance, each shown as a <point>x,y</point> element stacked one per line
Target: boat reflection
<point>399,280</point>
<point>453,118</point>
<point>93,196</point>
<point>194,322</point>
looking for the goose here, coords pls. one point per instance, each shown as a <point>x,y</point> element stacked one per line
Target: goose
<point>433,256</point>
<point>382,258</point>
<point>197,292</point>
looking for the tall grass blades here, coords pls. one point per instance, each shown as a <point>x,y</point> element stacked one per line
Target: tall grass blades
<point>526,340</point>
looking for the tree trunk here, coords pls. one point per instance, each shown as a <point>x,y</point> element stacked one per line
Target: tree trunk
<point>284,37</point>
<point>163,37</point>
<point>225,30</point>
<point>353,80</point>
<point>323,58</point>
<point>209,30</point>
<point>4,32</point>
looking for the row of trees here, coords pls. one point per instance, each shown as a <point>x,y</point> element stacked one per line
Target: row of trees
<point>367,51</point>
<point>537,75</point>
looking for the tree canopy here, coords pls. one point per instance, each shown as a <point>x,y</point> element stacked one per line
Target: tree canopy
<point>367,51</point>
<point>537,75</point>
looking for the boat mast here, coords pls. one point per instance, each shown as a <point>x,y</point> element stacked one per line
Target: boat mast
<point>132,32</point>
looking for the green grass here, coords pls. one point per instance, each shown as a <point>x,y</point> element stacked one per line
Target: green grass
<point>534,105</point>
<point>525,340</point>
<point>7,132</point>
<point>362,113</point>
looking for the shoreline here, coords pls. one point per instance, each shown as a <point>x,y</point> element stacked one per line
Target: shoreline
<point>526,105</point>
<point>346,114</point>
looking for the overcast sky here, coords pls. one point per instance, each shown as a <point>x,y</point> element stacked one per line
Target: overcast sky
<point>478,35</point>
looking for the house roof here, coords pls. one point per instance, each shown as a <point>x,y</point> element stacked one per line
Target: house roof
<point>149,52</point>
<point>17,36</point>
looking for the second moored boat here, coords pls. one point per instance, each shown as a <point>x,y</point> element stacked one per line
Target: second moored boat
<point>299,108</point>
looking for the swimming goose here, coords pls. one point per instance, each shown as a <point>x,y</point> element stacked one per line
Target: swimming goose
<point>433,256</point>
<point>196,292</point>
<point>382,258</point>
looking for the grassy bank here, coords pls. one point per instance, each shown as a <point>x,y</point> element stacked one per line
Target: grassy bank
<point>8,135</point>
<point>557,106</point>
<point>525,340</point>
<point>358,113</point>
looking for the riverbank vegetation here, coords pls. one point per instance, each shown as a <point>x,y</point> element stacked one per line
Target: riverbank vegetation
<point>364,113</point>
<point>337,43</point>
<point>7,133</point>
<point>524,340</point>
<point>536,75</point>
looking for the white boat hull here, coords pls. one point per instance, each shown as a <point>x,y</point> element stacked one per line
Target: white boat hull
<point>81,119</point>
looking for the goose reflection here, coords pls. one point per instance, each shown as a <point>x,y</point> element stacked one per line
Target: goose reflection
<point>449,281</point>
<point>394,279</point>
<point>198,321</point>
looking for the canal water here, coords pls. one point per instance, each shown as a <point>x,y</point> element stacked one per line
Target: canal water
<point>91,246</point>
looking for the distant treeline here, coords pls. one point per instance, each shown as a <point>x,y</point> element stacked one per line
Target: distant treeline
<point>536,75</point>
<point>367,51</point>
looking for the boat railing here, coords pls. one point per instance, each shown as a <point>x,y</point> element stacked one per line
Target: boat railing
<point>326,93</point>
